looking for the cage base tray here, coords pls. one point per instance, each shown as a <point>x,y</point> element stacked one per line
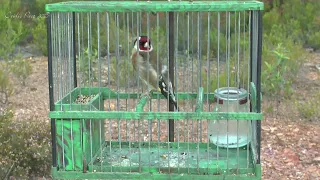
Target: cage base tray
<point>189,158</point>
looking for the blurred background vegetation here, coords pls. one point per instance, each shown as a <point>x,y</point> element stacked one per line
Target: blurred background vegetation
<point>289,26</point>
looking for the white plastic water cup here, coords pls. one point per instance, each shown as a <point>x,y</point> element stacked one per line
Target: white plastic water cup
<point>230,133</point>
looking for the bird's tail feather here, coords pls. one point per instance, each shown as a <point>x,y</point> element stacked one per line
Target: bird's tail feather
<point>166,88</point>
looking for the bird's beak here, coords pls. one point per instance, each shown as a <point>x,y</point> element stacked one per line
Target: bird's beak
<point>146,45</point>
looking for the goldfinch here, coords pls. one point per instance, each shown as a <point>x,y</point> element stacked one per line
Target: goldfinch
<point>158,75</point>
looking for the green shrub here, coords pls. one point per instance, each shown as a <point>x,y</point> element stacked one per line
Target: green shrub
<point>121,72</point>
<point>10,37</point>
<point>20,68</point>
<point>39,33</point>
<point>273,74</point>
<point>109,31</point>
<point>24,149</point>
<point>314,40</point>
<point>13,27</point>
<point>86,62</point>
<point>309,108</point>
<point>278,73</point>
<point>6,88</point>
<point>299,18</point>
<point>159,42</point>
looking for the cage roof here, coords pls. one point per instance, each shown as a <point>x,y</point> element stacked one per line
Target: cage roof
<point>153,6</point>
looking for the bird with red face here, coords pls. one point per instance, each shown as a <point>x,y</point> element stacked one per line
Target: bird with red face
<point>151,72</point>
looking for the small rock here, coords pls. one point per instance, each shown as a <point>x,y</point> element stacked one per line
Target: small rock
<point>33,89</point>
<point>317,67</point>
<point>296,130</point>
<point>310,50</point>
<point>317,159</point>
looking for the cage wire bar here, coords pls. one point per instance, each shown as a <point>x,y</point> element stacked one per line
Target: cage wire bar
<point>103,124</point>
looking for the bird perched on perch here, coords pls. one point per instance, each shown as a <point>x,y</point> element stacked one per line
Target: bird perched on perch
<point>155,77</point>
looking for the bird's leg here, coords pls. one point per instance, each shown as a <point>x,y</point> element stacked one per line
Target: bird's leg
<point>146,93</point>
<point>149,93</point>
<point>154,91</point>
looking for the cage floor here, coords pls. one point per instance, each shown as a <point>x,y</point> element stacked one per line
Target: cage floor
<point>175,157</point>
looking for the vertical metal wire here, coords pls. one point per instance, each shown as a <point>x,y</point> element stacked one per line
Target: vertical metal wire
<point>171,48</point>
<point>65,53</point>
<point>90,78</point>
<point>79,50</point>
<point>69,40</point>
<point>185,66</point>
<point>238,85</point>
<point>228,81</point>
<point>128,102</point>
<point>61,53</point>
<point>109,66</point>
<point>74,52</point>
<point>127,34</point>
<point>139,121</point>
<point>208,90</point>
<point>158,96</point>
<point>176,75</point>
<point>177,84</point>
<point>218,75</point>
<point>71,73</point>
<point>54,57</point>
<point>158,68</point>
<point>60,85</point>
<point>62,65</point>
<point>192,71</point>
<point>81,59</point>
<point>200,65</point>
<point>137,90</point>
<point>167,37</point>
<point>118,76</point>
<point>81,54</point>
<point>150,105</point>
<point>117,43</point>
<point>190,20</point>
<point>188,120</point>
<point>109,69</point>
<point>99,86</point>
<point>248,78</point>
<point>138,31</point>
<point>199,131</point>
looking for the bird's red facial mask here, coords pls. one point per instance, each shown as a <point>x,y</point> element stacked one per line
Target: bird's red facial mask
<point>144,44</point>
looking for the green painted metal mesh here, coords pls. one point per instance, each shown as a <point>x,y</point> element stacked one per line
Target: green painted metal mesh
<point>102,122</point>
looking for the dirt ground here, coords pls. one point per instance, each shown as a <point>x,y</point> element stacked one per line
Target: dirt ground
<point>290,145</point>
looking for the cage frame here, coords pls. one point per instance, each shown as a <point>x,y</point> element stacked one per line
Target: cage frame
<point>158,6</point>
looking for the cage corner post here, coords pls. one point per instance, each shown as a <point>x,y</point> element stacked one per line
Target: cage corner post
<point>75,83</point>
<point>258,86</point>
<point>51,97</point>
<point>255,78</point>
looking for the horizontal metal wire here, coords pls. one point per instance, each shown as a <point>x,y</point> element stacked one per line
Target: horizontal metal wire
<point>152,115</point>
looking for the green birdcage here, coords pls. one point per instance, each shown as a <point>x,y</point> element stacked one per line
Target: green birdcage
<point>102,124</point>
